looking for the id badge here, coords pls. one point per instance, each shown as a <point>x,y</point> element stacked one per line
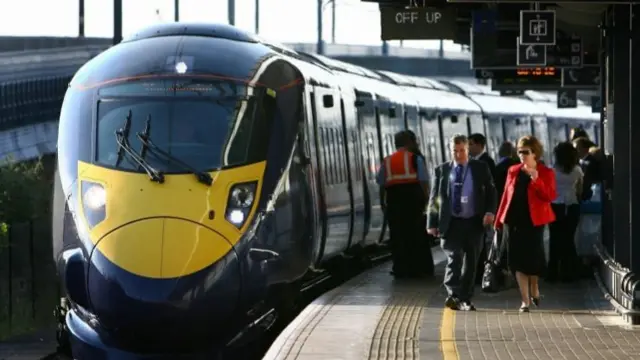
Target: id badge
<point>464,199</point>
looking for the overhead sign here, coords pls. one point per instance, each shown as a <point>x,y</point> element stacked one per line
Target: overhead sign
<point>527,79</point>
<point>497,51</point>
<point>585,78</point>
<point>531,55</point>
<point>596,104</point>
<point>567,99</point>
<point>418,23</point>
<point>521,72</point>
<point>512,92</point>
<point>537,27</point>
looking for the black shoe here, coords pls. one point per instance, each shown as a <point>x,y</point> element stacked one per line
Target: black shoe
<point>524,309</point>
<point>535,301</point>
<point>467,306</point>
<point>452,303</point>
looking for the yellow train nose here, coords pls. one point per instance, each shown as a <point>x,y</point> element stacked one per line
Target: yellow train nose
<point>163,248</point>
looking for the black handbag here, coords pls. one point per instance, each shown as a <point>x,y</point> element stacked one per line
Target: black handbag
<point>493,277</point>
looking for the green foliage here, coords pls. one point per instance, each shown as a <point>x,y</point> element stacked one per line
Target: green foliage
<point>25,192</point>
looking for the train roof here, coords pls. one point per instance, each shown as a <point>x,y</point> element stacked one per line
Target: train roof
<point>430,93</point>
<point>491,101</point>
<point>343,66</point>
<point>549,104</point>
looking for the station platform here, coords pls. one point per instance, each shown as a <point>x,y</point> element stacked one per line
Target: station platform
<point>374,316</point>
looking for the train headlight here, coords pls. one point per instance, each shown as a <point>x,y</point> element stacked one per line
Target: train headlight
<point>94,201</point>
<point>241,198</point>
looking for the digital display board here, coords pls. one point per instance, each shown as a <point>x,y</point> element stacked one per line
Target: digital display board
<point>541,78</point>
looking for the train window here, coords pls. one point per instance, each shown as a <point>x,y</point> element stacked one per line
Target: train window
<point>193,130</point>
<point>372,155</point>
<point>336,155</point>
<point>334,160</point>
<point>328,172</point>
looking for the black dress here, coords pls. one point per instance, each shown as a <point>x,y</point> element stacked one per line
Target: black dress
<point>524,242</point>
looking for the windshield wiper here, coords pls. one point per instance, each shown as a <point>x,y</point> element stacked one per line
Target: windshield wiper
<point>124,146</point>
<point>145,139</point>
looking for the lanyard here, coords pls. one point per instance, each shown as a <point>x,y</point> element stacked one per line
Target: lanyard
<point>464,175</point>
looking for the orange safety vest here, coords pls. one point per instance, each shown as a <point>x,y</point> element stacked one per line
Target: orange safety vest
<point>399,169</point>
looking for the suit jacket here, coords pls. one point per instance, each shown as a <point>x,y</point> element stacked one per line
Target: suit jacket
<point>500,175</point>
<point>592,174</point>
<point>484,192</point>
<point>490,163</point>
<point>540,193</point>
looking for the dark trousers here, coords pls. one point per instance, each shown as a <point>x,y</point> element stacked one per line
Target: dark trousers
<point>462,243</point>
<point>563,259</point>
<point>411,255</point>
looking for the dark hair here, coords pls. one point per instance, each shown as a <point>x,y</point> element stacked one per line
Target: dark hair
<point>478,139</point>
<point>583,143</point>
<point>506,149</point>
<point>578,132</point>
<point>532,143</point>
<point>401,139</point>
<point>566,156</point>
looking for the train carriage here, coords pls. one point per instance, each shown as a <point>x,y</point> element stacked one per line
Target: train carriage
<point>205,176</point>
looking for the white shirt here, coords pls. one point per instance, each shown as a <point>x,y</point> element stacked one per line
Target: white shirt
<point>478,156</point>
<point>566,185</point>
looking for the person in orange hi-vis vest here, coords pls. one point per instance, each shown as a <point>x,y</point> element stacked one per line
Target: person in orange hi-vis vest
<point>403,188</point>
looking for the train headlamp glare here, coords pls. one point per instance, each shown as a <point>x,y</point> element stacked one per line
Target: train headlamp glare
<point>95,196</point>
<point>94,200</point>
<point>241,199</point>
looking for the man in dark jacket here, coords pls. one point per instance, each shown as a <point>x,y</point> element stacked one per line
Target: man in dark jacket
<point>478,151</point>
<point>507,158</point>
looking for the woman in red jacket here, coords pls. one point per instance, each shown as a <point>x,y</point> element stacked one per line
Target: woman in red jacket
<point>525,208</point>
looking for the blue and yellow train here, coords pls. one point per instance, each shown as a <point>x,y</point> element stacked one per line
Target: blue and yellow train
<point>204,173</point>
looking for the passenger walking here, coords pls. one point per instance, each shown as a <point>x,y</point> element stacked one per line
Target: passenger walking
<point>403,184</point>
<point>589,164</point>
<point>422,256</point>
<point>563,258</point>
<point>525,207</point>
<point>462,203</point>
<point>477,151</point>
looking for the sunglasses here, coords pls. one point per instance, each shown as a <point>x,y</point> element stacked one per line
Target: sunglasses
<point>524,152</point>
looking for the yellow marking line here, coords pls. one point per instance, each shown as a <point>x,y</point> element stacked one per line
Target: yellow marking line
<point>448,335</point>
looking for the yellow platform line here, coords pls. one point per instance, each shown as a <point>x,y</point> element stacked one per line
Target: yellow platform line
<point>448,336</point>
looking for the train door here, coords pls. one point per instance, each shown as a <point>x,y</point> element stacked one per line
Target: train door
<point>429,125</point>
<point>494,134</point>
<point>368,134</point>
<point>540,131</point>
<point>558,132</point>
<point>316,176</point>
<point>335,185</point>
<point>354,170</point>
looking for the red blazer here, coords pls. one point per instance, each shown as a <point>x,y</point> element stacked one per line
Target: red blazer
<point>542,191</point>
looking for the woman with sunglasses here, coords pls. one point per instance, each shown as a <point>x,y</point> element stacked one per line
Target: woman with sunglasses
<point>525,208</point>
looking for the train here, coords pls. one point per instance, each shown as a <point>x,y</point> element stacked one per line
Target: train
<point>205,174</point>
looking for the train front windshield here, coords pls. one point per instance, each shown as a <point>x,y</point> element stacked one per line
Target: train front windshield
<point>209,126</point>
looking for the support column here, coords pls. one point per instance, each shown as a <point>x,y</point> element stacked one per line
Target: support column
<point>621,145</point>
<point>81,18</point>
<point>320,43</point>
<point>117,21</point>
<point>257,15</point>
<point>634,135</point>
<point>606,49</point>
<point>231,12</point>
<point>176,10</point>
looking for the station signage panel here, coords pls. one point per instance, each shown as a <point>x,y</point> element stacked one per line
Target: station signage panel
<point>531,55</point>
<point>541,1</point>
<point>499,50</point>
<point>585,78</point>
<point>423,23</point>
<point>544,78</point>
<point>537,27</point>
<point>567,99</point>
